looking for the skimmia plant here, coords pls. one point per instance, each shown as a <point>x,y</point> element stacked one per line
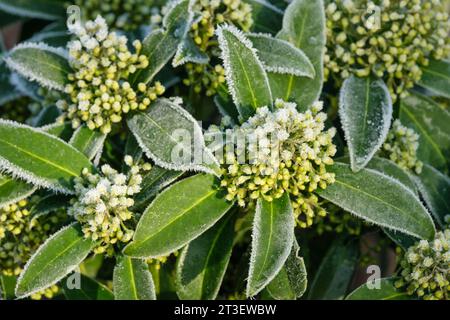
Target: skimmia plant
<point>322,150</point>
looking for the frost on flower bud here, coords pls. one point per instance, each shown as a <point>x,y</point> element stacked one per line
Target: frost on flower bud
<point>388,39</point>
<point>206,78</point>
<point>425,268</point>
<point>103,201</point>
<point>401,147</point>
<point>99,92</point>
<point>294,162</point>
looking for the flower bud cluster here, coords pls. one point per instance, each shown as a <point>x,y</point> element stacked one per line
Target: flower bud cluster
<point>125,15</point>
<point>391,39</point>
<point>401,147</point>
<point>291,154</point>
<point>103,203</point>
<point>426,268</point>
<point>99,91</point>
<point>17,110</point>
<point>14,218</point>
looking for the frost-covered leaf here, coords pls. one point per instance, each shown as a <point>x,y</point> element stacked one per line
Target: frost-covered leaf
<point>226,107</point>
<point>161,44</point>
<point>436,77</point>
<point>152,182</point>
<point>379,199</point>
<point>335,272</point>
<point>49,203</point>
<point>87,141</point>
<point>188,51</point>
<point>61,130</point>
<point>177,216</point>
<point>90,289</point>
<point>304,27</point>
<point>39,62</point>
<point>431,122</point>
<point>279,56</point>
<point>40,9</point>
<point>13,190</point>
<point>39,158</point>
<point>247,81</point>
<point>202,264</point>
<point>403,240</point>
<point>291,282</point>
<point>387,291</point>
<point>365,110</point>
<point>132,280</point>
<point>266,16</point>
<point>434,187</point>
<point>272,240</point>
<point>172,138</point>
<point>56,258</point>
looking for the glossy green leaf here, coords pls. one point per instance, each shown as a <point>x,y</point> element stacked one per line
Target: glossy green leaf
<point>379,199</point>
<point>161,44</point>
<point>172,138</point>
<point>365,110</point>
<point>335,272</point>
<point>40,9</point>
<point>13,190</point>
<point>436,77</point>
<point>304,27</point>
<point>386,291</point>
<point>132,280</point>
<point>177,216</point>
<point>39,158</point>
<point>272,240</point>
<point>202,264</point>
<point>246,78</point>
<point>430,121</point>
<point>88,142</point>
<point>434,187</point>
<point>291,282</point>
<point>56,258</point>
<point>266,16</point>
<point>153,182</point>
<point>279,56</point>
<point>90,289</point>
<point>41,63</point>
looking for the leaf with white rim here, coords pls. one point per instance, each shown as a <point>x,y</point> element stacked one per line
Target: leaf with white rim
<point>365,110</point>
<point>39,62</point>
<point>279,56</point>
<point>379,199</point>
<point>12,190</point>
<point>87,141</point>
<point>188,51</point>
<point>272,241</point>
<point>246,78</point>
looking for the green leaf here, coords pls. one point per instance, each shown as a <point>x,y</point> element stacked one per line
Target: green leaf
<point>54,34</point>
<point>430,121</point>
<point>434,187</point>
<point>403,240</point>
<point>60,130</point>
<point>379,199</point>
<point>8,91</point>
<point>202,264</point>
<point>365,110</point>
<point>153,182</point>
<point>88,142</point>
<point>56,258</point>
<point>90,289</point>
<point>132,280</point>
<point>387,291</point>
<point>49,203</point>
<point>291,282</point>
<point>39,158</point>
<point>436,77</point>
<point>226,106</point>
<point>12,190</point>
<point>272,239</point>
<point>188,51</point>
<point>39,62</point>
<point>172,138</point>
<point>335,272</point>
<point>266,17</point>
<point>177,216</point>
<point>247,81</point>
<point>161,44</point>
<point>279,56</point>
<point>304,27</point>
<point>40,9</point>
<point>7,285</point>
